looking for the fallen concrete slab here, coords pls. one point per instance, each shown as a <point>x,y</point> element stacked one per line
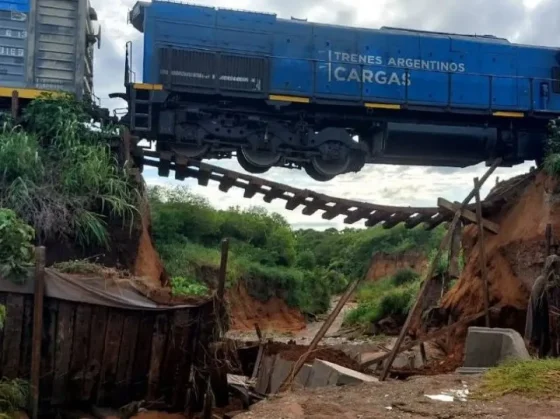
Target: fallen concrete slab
<point>280,372</point>
<point>488,347</point>
<point>328,374</point>
<point>264,374</point>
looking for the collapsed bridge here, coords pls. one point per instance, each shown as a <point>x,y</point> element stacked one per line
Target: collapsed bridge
<point>353,211</point>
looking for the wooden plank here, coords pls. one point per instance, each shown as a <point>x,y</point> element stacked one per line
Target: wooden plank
<point>48,346</point>
<point>482,253</point>
<point>159,341</point>
<point>26,339</point>
<point>63,351</point>
<point>469,215</point>
<point>80,351</point>
<point>11,348</point>
<point>170,375</point>
<point>141,365</point>
<point>108,373</point>
<point>126,357</point>
<point>182,375</point>
<point>38,329</point>
<point>95,355</point>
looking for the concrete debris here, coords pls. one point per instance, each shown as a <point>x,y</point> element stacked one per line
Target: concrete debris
<point>327,374</point>
<point>274,371</point>
<point>488,347</point>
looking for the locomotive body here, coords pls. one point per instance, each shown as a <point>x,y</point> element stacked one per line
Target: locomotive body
<point>329,99</point>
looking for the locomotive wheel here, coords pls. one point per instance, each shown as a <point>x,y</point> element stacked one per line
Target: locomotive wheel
<point>315,175</point>
<point>330,167</point>
<point>257,161</point>
<point>335,160</point>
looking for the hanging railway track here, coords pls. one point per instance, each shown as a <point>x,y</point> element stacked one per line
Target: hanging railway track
<point>311,202</point>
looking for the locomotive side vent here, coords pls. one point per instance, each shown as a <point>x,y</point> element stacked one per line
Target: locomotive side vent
<point>209,70</point>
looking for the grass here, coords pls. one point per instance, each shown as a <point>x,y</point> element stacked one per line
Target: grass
<point>14,396</point>
<point>392,296</point>
<point>533,379</point>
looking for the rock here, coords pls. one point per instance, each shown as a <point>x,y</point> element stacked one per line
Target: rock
<point>488,347</point>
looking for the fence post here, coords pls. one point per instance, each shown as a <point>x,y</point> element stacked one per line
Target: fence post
<point>40,260</point>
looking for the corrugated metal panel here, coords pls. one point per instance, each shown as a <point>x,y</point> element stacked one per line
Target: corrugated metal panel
<point>13,48</point>
<point>56,44</point>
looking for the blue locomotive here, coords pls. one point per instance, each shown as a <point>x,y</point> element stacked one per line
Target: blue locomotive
<point>329,99</point>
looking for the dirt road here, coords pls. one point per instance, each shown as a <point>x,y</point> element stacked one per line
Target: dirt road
<point>401,399</point>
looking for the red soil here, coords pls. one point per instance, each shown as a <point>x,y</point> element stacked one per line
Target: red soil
<point>274,314</point>
<point>384,265</point>
<point>514,256</point>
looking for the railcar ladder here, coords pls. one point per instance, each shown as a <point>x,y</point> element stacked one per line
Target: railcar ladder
<point>141,110</point>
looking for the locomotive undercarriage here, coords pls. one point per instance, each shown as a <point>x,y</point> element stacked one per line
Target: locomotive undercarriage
<point>327,143</point>
<point>260,142</point>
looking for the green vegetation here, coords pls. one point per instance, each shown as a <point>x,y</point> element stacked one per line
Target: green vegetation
<point>537,378</point>
<point>59,176</point>
<point>14,397</point>
<point>391,296</point>
<point>188,286</point>
<point>16,250</point>
<point>305,267</point>
<point>395,295</point>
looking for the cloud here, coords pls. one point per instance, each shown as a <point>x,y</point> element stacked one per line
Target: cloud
<point>525,21</point>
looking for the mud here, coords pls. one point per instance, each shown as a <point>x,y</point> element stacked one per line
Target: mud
<point>384,265</point>
<point>148,264</point>
<point>399,399</point>
<point>292,352</point>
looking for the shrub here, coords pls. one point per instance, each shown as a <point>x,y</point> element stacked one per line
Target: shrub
<point>16,249</point>
<point>405,276</point>
<point>188,286</point>
<point>59,175</point>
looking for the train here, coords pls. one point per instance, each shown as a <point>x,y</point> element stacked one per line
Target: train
<point>47,46</point>
<point>271,92</point>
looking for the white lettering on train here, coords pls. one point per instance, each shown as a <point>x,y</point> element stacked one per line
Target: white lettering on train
<point>341,68</point>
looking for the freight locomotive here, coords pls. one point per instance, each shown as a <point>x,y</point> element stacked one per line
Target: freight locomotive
<point>219,83</point>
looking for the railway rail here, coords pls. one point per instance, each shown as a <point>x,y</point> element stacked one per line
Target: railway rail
<point>312,202</point>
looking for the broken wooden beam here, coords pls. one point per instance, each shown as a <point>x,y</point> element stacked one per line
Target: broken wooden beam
<point>467,214</point>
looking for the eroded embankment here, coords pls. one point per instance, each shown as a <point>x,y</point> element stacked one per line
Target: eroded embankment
<point>514,256</point>
<point>384,265</point>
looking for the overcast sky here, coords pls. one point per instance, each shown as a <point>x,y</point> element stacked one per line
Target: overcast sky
<point>524,21</point>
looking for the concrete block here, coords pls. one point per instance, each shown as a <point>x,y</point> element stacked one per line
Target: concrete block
<point>263,376</point>
<point>302,377</point>
<point>488,347</point>
<point>329,374</point>
<point>280,372</point>
<point>320,374</point>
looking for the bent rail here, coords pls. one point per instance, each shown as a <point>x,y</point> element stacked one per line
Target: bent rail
<point>311,201</point>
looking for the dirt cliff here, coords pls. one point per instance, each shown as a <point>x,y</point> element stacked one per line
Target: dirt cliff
<point>273,314</point>
<point>514,256</point>
<point>385,264</point>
